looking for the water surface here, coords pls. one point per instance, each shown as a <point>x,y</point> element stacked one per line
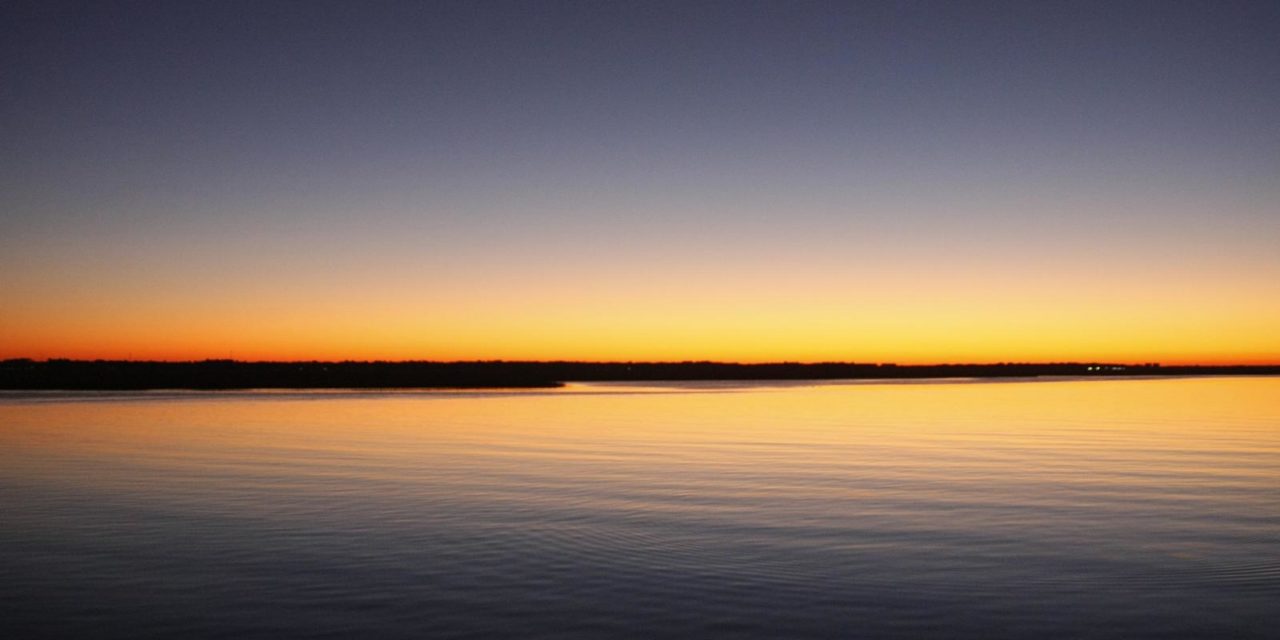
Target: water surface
<point>1071,509</point>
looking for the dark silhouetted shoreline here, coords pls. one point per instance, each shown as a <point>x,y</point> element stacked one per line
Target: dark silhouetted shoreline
<point>25,374</point>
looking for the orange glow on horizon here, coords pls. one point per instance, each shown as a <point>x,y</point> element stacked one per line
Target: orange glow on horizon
<point>822,309</point>
<point>746,336</point>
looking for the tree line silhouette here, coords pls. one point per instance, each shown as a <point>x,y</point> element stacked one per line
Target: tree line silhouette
<point>56,374</point>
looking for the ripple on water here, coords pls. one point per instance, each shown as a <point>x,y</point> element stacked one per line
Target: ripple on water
<point>966,511</point>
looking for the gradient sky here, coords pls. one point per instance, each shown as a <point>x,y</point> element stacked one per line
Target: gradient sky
<point>888,181</point>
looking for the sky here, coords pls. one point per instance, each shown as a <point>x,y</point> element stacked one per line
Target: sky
<point>908,182</point>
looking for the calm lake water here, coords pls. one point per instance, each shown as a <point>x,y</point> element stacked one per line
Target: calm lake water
<point>1048,509</point>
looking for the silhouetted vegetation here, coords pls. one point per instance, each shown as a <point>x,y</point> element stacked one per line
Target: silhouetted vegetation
<point>228,374</point>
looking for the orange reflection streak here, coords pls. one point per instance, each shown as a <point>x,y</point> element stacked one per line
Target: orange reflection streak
<point>1045,427</point>
<point>867,449</point>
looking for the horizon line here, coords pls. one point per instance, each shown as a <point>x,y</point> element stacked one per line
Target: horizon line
<point>1145,364</point>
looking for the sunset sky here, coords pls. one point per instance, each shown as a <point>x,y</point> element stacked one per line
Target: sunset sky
<point>879,182</point>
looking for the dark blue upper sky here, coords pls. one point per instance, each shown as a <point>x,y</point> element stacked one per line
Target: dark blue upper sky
<point>270,96</point>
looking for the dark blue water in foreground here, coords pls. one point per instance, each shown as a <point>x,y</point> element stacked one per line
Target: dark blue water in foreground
<point>1066,509</point>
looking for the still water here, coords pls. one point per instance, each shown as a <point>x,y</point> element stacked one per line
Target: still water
<point>952,509</point>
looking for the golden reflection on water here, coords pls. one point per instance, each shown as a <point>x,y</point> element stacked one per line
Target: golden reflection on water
<point>1010,430</point>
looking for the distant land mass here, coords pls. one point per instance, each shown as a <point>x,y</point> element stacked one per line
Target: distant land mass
<point>59,374</point>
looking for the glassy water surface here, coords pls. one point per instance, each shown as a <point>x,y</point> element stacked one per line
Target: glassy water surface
<point>1068,509</point>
